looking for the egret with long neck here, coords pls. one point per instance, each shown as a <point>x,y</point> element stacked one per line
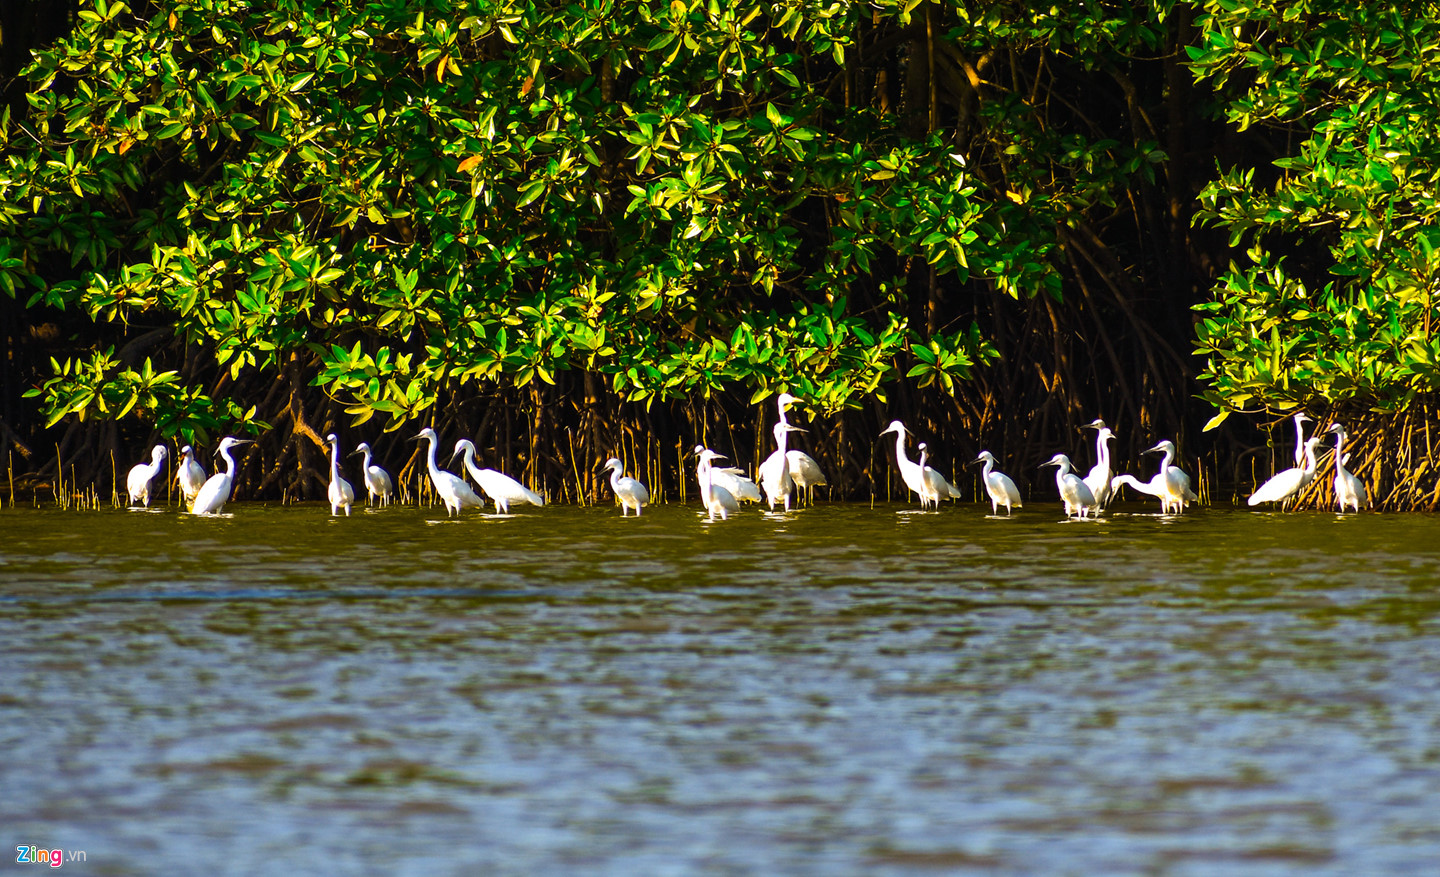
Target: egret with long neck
<point>137,483</point>
<point>1073,492</point>
<point>936,485</point>
<point>1300,418</point>
<point>1285,486</point>
<point>910,471</point>
<point>497,485</point>
<point>733,479</point>
<point>1176,483</point>
<point>1098,479</point>
<point>998,485</point>
<point>340,493</point>
<point>804,471</point>
<point>190,474</point>
<point>1349,489</point>
<point>451,488</point>
<point>630,493</point>
<point>717,499</point>
<point>216,491</point>
<point>1154,487</point>
<point>378,486</point>
<point>775,471</point>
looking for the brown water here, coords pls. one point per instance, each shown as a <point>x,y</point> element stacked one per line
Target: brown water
<point>840,690</point>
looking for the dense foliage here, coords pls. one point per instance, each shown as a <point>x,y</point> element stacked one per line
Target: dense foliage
<point>1332,297</point>
<point>426,194</point>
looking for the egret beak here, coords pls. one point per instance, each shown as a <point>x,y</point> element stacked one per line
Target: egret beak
<point>235,442</point>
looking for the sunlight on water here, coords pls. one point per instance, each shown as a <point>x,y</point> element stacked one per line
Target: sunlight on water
<point>838,690</point>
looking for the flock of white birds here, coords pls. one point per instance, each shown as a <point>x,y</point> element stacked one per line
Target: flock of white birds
<point>784,472</point>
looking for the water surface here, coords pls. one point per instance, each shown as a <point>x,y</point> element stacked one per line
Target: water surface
<point>844,689</point>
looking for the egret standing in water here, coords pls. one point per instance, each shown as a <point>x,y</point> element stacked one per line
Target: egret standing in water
<point>806,474</point>
<point>733,480</point>
<point>1349,489</point>
<point>138,481</point>
<point>451,488</point>
<point>998,485</point>
<point>1100,474</point>
<point>936,487</point>
<point>190,474</point>
<point>1176,483</point>
<point>1073,491</point>
<point>631,494</point>
<point>1285,486</point>
<point>775,471</point>
<point>804,471</point>
<point>1154,487</point>
<point>910,471</point>
<point>497,485</point>
<point>378,485</point>
<point>341,494</point>
<point>717,499</point>
<point>216,491</point>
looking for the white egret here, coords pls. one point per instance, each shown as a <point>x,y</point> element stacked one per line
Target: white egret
<point>341,494</point>
<point>1285,486</point>
<point>1154,487</point>
<point>910,471</point>
<point>630,493</point>
<point>1098,480</point>
<point>190,474</point>
<point>734,480</point>
<point>1176,483</point>
<point>497,485</point>
<point>935,484</point>
<point>1349,489</point>
<point>998,485</point>
<point>452,489</point>
<point>1300,417</point>
<point>775,471</point>
<point>1073,491</point>
<point>138,481</point>
<point>804,471</point>
<point>717,499</point>
<point>378,485</point>
<point>216,490</point>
